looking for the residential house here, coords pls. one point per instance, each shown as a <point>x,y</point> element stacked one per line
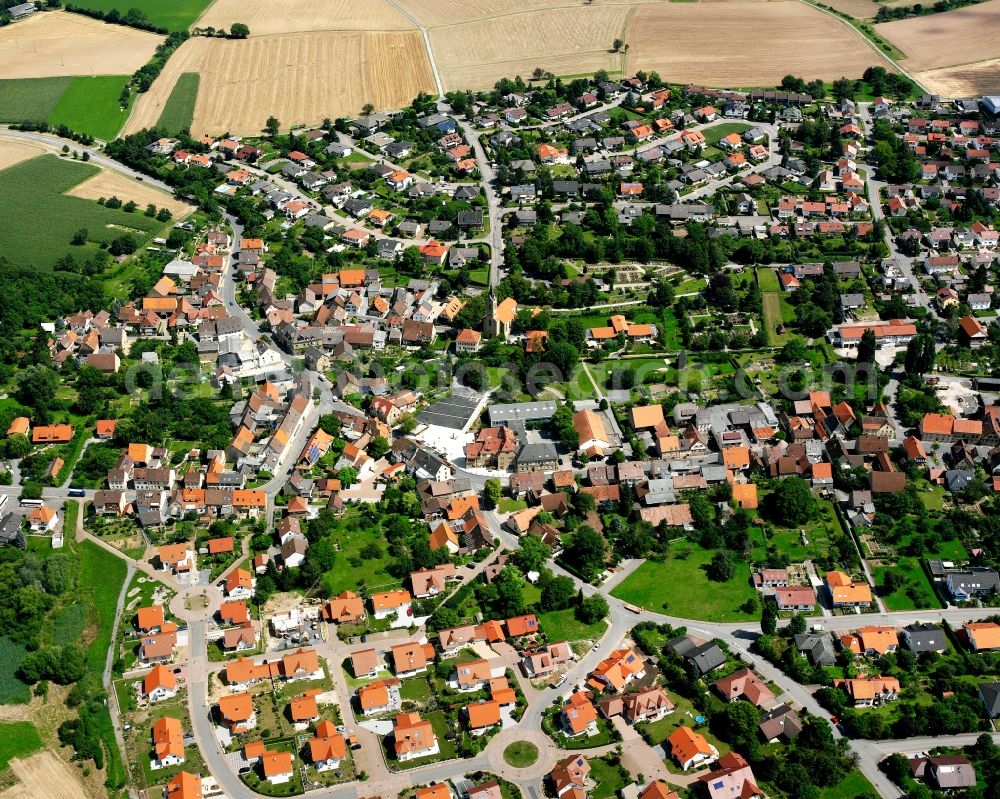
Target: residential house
<point>689,748</point>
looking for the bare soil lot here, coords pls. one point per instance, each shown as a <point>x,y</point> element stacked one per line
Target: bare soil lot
<point>695,42</point>
<point>114,184</point>
<point>562,41</point>
<point>963,36</point>
<point>299,78</point>
<point>13,152</point>
<point>44,776</point>
<point>58,43</point>
<point>269,17</point>
<point>965,80</point>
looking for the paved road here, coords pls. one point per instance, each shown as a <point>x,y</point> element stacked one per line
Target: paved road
<point>875,188</point>
<point>55,144</point>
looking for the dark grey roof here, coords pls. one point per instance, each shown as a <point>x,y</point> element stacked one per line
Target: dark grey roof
<point>990,693</point>
<point>542,452</point>
<point>522,411</point>
<point>819,648</point>
<point>924,637</point>
<point>706,657</point>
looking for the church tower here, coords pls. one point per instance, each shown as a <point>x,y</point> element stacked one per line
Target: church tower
<point>491,327</point>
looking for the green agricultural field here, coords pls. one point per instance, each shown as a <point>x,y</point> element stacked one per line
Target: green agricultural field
<point>84,104</point>
<point>17,739</point>
<point>176,15</point>
<point>679,586</point>
<point>178,111</point>
<point>41,221</point>
<point>90,105</point>
<point>30,99</point>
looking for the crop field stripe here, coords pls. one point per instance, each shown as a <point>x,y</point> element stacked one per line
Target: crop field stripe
<point>178,111</point>
<point>30,99</point>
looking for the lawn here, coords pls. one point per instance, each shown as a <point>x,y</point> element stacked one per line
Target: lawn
<point>915,593</point>
<point>777,309</point>
<point>415,690</point>
<point>608,779</point>
<point>520,754</point>
<point>30,99</point>
<point>90,105</point>
<point>854,784</point>
<point>101,577</point>
<point>767,279</point>
<point>178,111</point>
<point>41,220</point>
<point>349,571</point>
<point>17,739</point>
<point>716,132</point>
<point>932,496</point>
<point>562,625</point>
<point>680,587</point>
<point>788,540</point>
<point>176,15</point>
<point>508,505</point>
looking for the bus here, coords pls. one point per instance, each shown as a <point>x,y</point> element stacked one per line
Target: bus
<point>31,503</point>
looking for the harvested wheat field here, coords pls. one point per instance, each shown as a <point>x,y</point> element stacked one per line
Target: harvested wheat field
<point>299,78</point>
<point>963,36</point>
<point>44,776</point>
<point>59,43</point>
<point>14,152</point>
<point>964,80</point>
<point>107,183</point>
<point>567,40</point>
<point>694,42</point>
<point>441,13</point>
<point>269,17</point>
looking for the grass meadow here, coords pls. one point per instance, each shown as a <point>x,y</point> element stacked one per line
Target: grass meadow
<point>176,15</point>
<point>679,586</point>
<point>17,739</point>
<point>84,104</point>
<point>90,105</point>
